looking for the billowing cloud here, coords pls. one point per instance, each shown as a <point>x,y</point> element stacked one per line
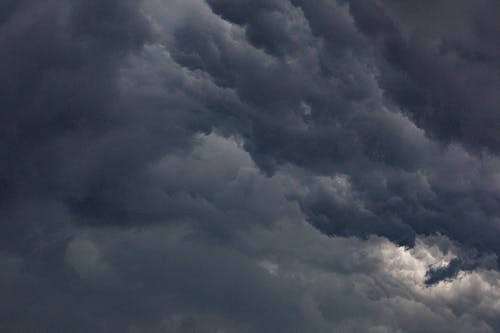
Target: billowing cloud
<point>242,166</point>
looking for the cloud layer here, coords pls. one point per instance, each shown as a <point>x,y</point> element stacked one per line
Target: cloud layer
<point>242,166</point>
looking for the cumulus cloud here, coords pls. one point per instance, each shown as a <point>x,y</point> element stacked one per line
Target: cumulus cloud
<point>242,166</point>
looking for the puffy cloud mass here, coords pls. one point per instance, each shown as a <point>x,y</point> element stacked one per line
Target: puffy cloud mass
<point>249,166</point>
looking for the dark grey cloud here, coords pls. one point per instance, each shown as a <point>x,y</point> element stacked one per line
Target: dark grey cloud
<point>59,63</point>
<point>188,165</point>
<point>441,64</point>
<point>356,127</point>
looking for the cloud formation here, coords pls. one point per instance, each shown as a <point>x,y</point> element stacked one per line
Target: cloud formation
<point>180,166</point>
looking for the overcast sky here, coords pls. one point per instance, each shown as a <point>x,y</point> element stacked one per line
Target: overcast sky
<point>233,166</point>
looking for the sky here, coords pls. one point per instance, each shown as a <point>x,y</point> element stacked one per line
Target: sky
<point>233,166</point>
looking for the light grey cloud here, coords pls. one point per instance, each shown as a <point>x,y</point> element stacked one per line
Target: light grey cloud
<point>275,276</point>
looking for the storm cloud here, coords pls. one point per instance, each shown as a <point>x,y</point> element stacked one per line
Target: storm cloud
<point>242,166</point>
